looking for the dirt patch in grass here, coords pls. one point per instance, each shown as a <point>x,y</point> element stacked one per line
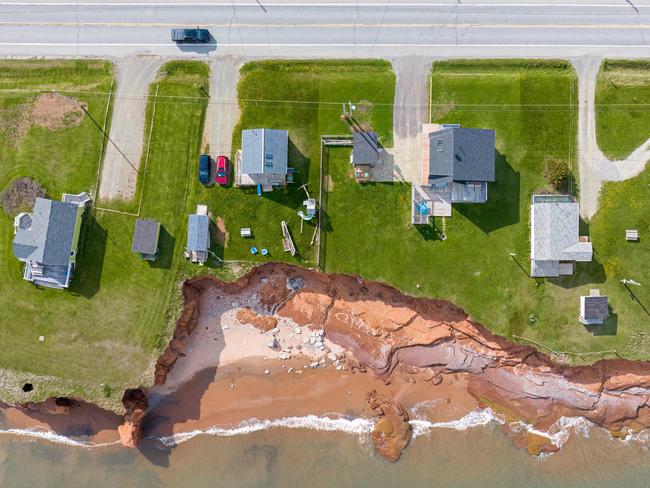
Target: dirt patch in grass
<point>329,183</point>
<point>49,110</point>
<point>15,122</point>
<point>442,109</point>
<point>20,195</point>
<point>56,111</point>
<point>220,233</point>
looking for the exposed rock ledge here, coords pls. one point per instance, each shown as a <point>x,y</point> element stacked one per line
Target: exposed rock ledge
<point>383,329</point>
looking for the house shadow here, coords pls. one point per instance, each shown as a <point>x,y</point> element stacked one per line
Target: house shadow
<point>608,328</point>
<point>90,261</point>
<point>502,207</point>
<point>583,274</point>
<point>166,244</point>
<point>293,195</point>
<point>429,231</point>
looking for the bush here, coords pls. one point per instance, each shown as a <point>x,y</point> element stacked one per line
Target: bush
<point>557,174</point>
<point>20,195</point>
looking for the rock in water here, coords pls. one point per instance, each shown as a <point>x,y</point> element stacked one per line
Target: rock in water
<point>136,404</point>
<point>392,431</point>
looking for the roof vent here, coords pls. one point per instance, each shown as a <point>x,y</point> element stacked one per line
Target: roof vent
<point>24,221</point>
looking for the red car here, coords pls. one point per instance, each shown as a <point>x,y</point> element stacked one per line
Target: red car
<point>223,170</point>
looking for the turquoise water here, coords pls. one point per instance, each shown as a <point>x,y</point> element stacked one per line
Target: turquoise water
<point>481,456</point>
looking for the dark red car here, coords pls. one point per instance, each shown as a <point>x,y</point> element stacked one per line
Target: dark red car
<point>223,170</point>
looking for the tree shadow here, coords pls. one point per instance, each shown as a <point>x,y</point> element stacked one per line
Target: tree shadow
<point>502,207</point>
<point>90,261</point>
<point>166,244</point>
<point>608,328</point>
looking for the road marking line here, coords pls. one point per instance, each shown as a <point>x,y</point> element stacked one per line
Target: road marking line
<point>355,5</point>
<point>332,26</point>
<point>297,45</point>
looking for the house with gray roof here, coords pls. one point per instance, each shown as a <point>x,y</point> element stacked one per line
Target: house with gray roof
<point>263,159</point>
<point>145,239</point>
<point>594,308</point>
<point>47,240</point>
<point>365,154</point>
<point>198,235</point>
<point>555,241</point>
<point>457,165</point>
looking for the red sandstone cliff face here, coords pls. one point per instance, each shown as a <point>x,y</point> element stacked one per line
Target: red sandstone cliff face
<point>382,329</point>
<point>392,431</point>
<point>135,404</point>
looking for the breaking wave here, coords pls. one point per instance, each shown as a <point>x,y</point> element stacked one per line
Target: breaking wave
<point>357,426</point>
<point>50,436</point>
<point>476,418</point>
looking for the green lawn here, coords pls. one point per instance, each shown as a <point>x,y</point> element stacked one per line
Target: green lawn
<point>108,328</point>
<point>622,102</point>
<point>304,98</point>
<point>624,205</point>
<point>533,108</point>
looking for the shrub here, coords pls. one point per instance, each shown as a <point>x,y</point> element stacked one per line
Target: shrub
<point>557,174</point>
<point>20,195</point>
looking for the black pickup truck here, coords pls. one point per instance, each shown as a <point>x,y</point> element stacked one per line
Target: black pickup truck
<point>190,35</point>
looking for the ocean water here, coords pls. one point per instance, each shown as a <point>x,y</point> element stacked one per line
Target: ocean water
<point>469,453</point>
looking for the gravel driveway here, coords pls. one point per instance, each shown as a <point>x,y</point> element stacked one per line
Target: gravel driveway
<point>595,168</point>
<point>126,136</point>
<point>223,109</point>
<point>409,113</point>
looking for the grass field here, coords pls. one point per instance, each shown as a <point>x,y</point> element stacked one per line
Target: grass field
<point>532,106</point>
<point>305,99</point>
<point>624,205</point>
<point>623,106</point>
<point>103,334</point>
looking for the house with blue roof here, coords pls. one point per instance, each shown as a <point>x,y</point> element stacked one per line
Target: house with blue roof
<point>457,165</point>
<point>263,159</point>
<point>47,240</point>
<point>198,235</point>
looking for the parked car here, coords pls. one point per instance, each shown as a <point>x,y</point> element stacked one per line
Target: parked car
<point>193,36</point>
<point>205,169</point>
<point>223,170</point>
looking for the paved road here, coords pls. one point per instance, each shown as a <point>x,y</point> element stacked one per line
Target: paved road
<point>347,29</point>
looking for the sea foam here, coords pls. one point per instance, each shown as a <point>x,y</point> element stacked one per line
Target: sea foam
<point>356,426</point>
<point>50,436</point>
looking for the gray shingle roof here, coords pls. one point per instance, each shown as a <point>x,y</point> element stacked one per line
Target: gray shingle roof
<point>555,231</point>
<point>264,151</point>
<point>49,239</point>
<point>198,233</point>
<point>462,154</point>
<point>145,236</point>
<point>365,148</point>
<point>594,307</point>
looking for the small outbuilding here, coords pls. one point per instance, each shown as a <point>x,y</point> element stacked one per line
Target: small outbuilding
<point>594,308</point>
<point>198,235</point>
<point>365,154</point>
<point>145,239</point>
